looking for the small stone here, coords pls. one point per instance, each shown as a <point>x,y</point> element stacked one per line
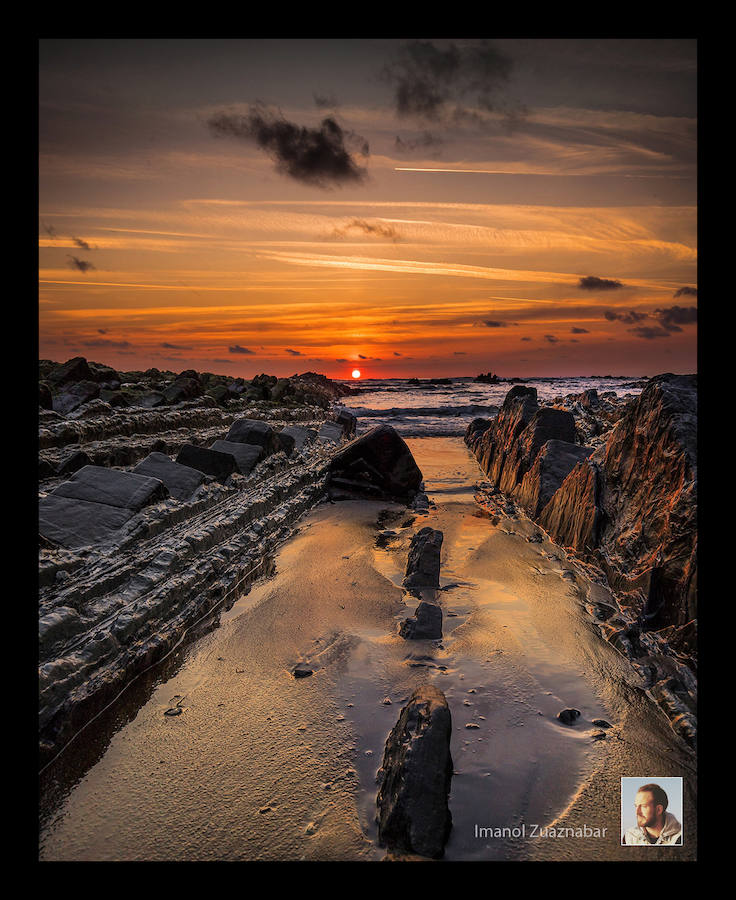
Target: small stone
<point>386,701</point>
<point>472,725</point>
<point>598,735</point>
<point>601,723</point>
<point>302,670</point>
<point>173,711</point>
<point>568,716</point>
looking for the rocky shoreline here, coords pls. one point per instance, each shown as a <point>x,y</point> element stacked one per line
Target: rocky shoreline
<point>614,482</point>
<point>150,519</point>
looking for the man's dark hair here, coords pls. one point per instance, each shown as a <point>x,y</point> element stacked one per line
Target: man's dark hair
<point>658,794</point>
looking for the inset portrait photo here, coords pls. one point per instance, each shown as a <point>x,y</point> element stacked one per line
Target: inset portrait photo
<point>651,811</point>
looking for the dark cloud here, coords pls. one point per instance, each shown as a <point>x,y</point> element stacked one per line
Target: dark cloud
<point>459,353</point>
<point>527,339</point>
<point>325,101</point>
<point>50,231</point>
<point>293,352</point>
<point>593,283</point>
<point>83,245</point>
<point>340,360</point>
<point>649,332</point>
<point>360,356</point>
<point>317,156</point>
<point>492,323</point>
<point>179,347</point>
<point>675,316</point>
<point>630,317</point>
<point>551,338</point>
<point>425,141</point>
<point>579,331</point>
<point>379,229</point>
<point>111,345</point>
<point>686,292</point>
<point>238,349</point>
<point>80,264</point>
<point>396,353</point>
<point>102,331</point>
<point>440,83</point>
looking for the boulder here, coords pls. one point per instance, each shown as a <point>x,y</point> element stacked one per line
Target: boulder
<point>73,463</point>
<point>330,433</point>
<point>114,398</point>
<point>125,490</point>
<point>211,462</point>
<point>102,373</point>
<point>413,814</point>
<point>184,388</point>
<point>246,455</point>
<point>423,565</point>
<point>220,394</point>
<point>181,481</point>
<point>377,465</point>
<point>424,625</point>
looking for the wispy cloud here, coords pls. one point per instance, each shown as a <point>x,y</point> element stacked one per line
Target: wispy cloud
<point>593,283</point>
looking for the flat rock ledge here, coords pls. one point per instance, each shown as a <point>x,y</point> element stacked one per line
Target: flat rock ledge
<point>413,814</point>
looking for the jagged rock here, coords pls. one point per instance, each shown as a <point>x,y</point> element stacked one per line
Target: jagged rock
<point>75,369</point>
<point>102,373</point>
<point>348,422</point>
<point>96,484</point>
<point>220,394</point>
<point>425,624</point>
<point>74,395</point>
<point>572,517</point>
<point>546,424</point>
<point>413,813</point>
<point>377,465</point>
<point>211,462</point>
<point>91,410</point>
<point>246,455</point>
<point>114,398</point>
<point>185,387</point>
<point>181,481</point>
<point>45,400</point>
<point>150,400</point>
<point>554,462</point>
<point>423,565</point>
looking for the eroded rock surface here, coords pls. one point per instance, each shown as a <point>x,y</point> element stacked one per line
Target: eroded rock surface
<point>415,777</point>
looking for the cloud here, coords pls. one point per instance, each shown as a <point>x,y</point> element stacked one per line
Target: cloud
<point>686,292</point>
<point>440,83</point>
<point>80,264</point>
<point>593,283</point>
<point>491,323</point>
<point>50,231</point>
<point>649,333</point>
<point>551,338</point>
<point>325,101</point>
<point>630,317</point>
<point>396,353</point>
<point>341,360</point>
<point>102,331</point>
<point>379,229</point>
<point>111,345</point>
<point>177,347</point>
<point>527,339</point>
<point>425,141</point>
<point>316,156</point>
<point>81,243</point>
<point>459,353</point>
<point>579,331</point>
<point>675,316</point>
<point>238,349</point>
<point>293,352</point>
<point>360,356</point>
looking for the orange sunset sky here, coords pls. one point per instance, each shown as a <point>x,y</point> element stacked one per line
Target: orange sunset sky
<point>419,207</point>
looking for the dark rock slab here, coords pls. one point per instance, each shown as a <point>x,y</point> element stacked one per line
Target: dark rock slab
<point>181,481</point>
<point>72,396</point>
<point>348,421</point>
<point>413,813</point>
<point>301,434</point>
<point>74,523</point>
<point>330,432</point>
<point>423,565</point>
<point>378,464</point>
<point>554,462</point>
<point>110,487</point>
<point>425,624</point>
<point>185,387</point>
<point>246,455</point>
<point>211,462</point>
<point>254,431</point>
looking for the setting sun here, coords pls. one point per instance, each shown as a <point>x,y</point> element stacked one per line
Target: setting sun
<point>356,373</point>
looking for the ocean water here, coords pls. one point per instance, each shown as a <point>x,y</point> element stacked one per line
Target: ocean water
<point>445,410</point>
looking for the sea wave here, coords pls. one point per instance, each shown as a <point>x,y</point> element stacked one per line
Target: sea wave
<point>466,410</point>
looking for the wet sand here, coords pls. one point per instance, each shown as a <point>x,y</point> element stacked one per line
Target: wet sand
<point>261,765</point>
